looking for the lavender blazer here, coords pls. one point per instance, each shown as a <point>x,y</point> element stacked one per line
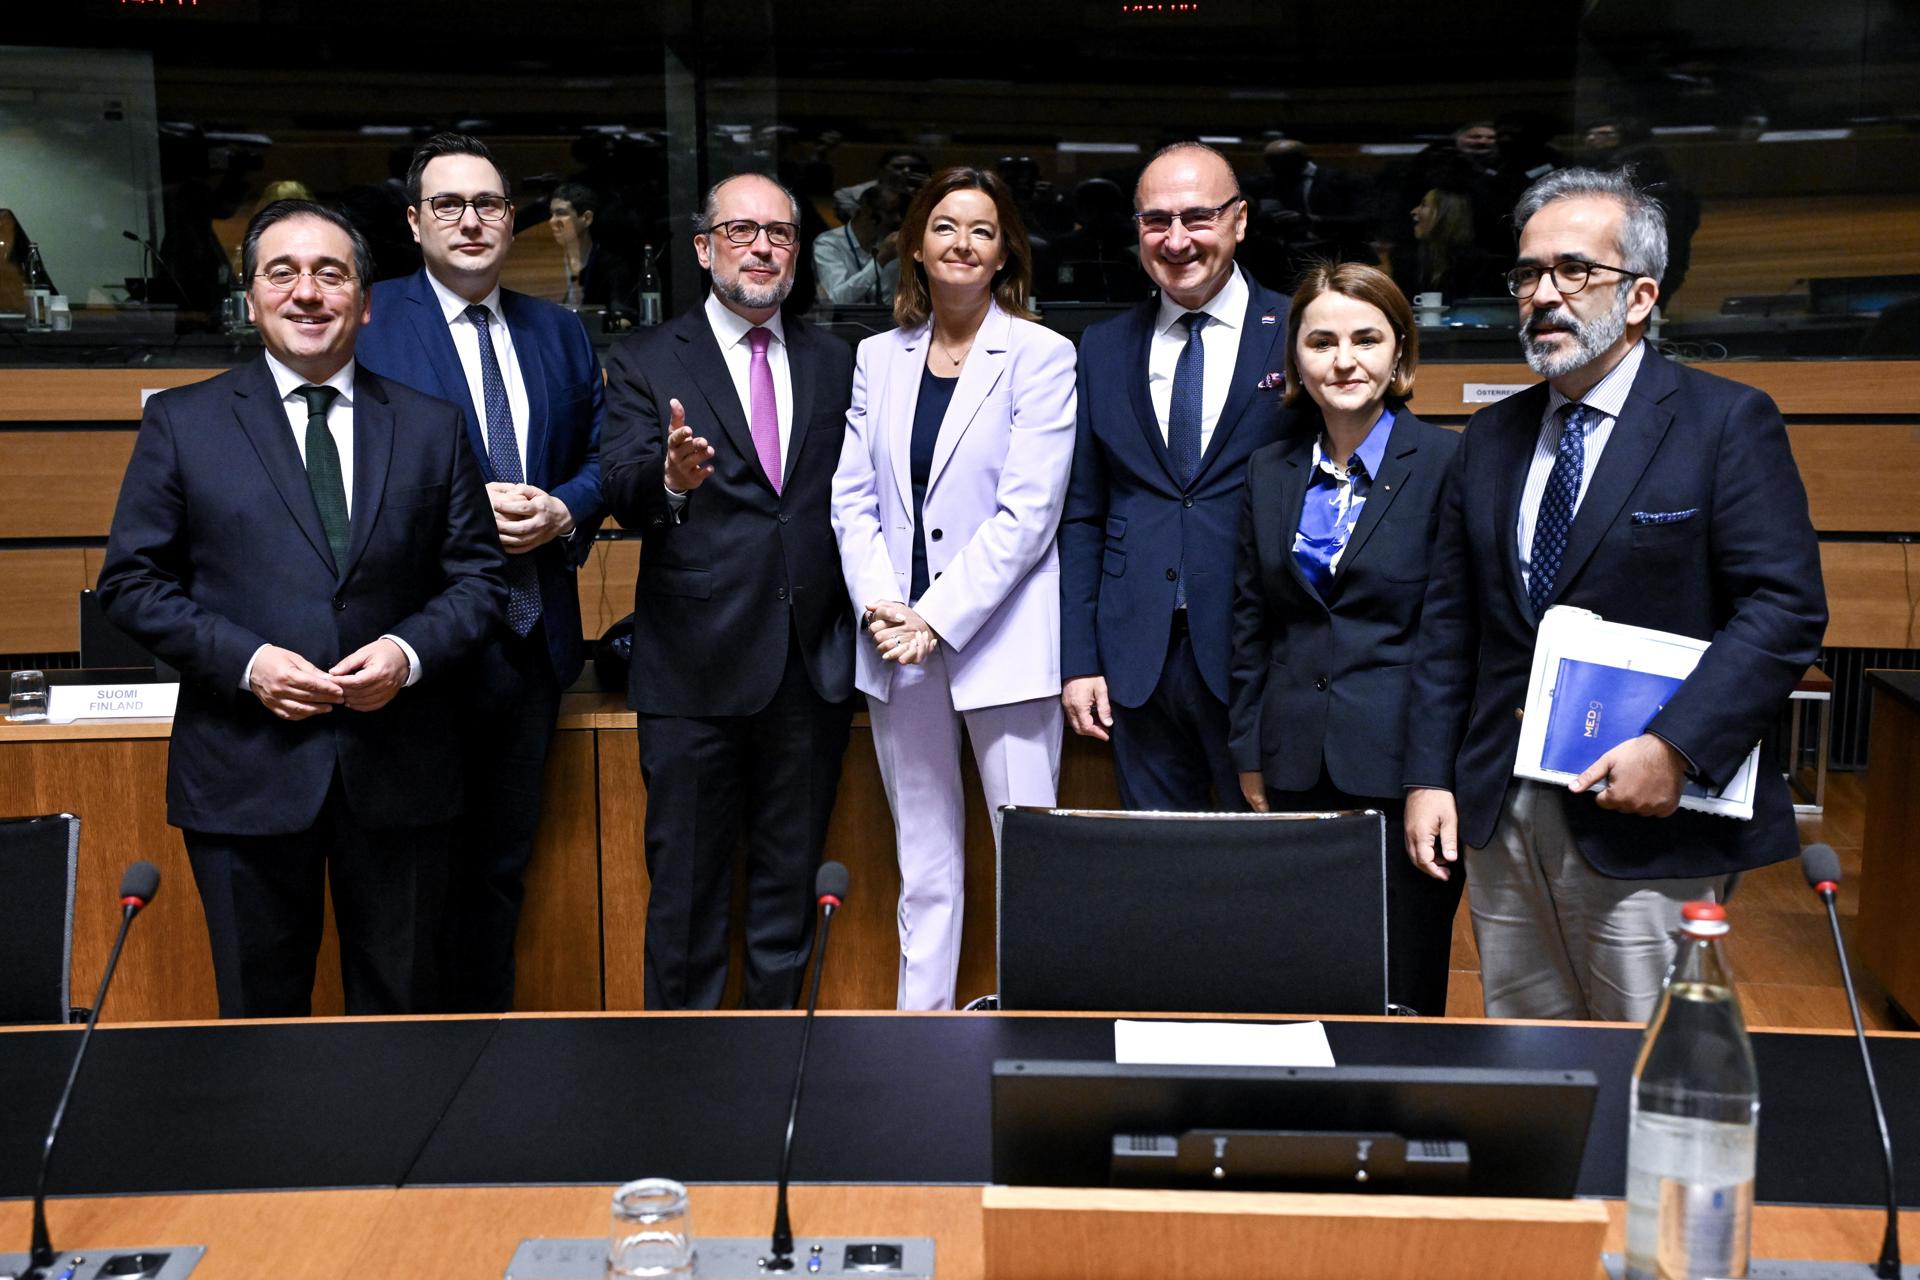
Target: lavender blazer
<point>992,507</point>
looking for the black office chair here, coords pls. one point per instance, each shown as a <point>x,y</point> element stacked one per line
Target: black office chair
<point>39,858</point>
<point>1192,913</point>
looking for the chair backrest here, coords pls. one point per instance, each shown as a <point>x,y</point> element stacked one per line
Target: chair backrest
<point>1189,913</point>
<point>39,858</point>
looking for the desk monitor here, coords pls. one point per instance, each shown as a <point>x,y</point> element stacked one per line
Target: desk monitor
<point>1466,1131</point>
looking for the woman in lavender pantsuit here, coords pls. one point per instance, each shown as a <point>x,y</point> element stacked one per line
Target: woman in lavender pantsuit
<point>946,502</point>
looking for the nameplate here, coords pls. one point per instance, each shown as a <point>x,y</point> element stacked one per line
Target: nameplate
<point>69,702</point>
<point>1490,392</point>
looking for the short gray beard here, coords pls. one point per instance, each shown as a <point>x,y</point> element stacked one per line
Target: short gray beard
<point>1591,340</point>
<point>737,292</point>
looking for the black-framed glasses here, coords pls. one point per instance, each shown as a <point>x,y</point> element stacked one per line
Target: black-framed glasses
<point>781,235</point>
<point>1569,277</point>
<point>451,208</point>
<point>284,279</point>
<point>1159,221</point>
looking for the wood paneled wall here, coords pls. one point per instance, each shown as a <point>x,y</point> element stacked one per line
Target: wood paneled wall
<point>1854,428</point>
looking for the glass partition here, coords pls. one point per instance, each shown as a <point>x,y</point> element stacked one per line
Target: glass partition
<point>1783,138</point>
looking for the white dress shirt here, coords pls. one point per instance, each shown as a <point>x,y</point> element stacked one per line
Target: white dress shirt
<point>1219,345</point>
<point>340,427</point>
<point>466,341</point>
<point>1607,398</point>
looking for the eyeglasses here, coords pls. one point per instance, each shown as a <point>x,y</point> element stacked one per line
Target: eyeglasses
<point>1569,277</point>
<point>450,208</point>
<point>1158,221</point>
<point>780,235</point>
<point>283,279</point>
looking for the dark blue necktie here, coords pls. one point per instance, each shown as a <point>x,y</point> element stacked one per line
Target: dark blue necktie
<point>503,457</point>
<point>1183,410</point>
<point>1556,506</point>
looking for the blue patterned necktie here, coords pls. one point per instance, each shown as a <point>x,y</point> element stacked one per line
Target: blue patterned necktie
<point>1550,529</point>
<point>1184,409</point>
<point>503,458</point>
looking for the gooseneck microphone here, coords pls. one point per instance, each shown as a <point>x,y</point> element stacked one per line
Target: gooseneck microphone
<point>830,888</point>
<point>149,250</point>
<point>137,888</point>
<point>1821,865</point>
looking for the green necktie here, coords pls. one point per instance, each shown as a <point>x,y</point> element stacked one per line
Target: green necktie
<point>323,471</point>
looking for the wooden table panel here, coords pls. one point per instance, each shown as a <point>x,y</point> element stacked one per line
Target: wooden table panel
<point>72,477</point>
<point>464,1233</point>
<point>118,789</point>
<point>624,887</point>
<point>1869,594</point>
<point>557,952</point>
<point>1890,852</point>
<point>41,588</point>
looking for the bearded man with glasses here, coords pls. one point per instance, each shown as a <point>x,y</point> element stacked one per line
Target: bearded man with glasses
<point>309,543</point>
<point>1173,398</point>
<point>1651,494</point>
<point>724,428</point>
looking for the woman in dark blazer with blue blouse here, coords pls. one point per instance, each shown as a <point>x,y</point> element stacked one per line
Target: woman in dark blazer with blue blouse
<point>1331,573</point>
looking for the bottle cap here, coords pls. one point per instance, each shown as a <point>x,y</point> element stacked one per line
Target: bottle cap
<point>1703,919</point>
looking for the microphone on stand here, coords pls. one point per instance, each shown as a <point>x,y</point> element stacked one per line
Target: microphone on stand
<point>137,888</point>
<point>149,250</point>
<point>1821,866</point>
<point>830,888</point>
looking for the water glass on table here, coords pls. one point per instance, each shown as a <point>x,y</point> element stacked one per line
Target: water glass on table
<point>652,1230</point>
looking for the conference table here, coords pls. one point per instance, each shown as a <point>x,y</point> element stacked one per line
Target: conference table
<point>429,1147</point>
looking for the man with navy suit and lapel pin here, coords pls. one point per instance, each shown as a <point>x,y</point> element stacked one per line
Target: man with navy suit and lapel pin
<point>528,385</point>
<point>310,545</point>
<point>1173,398</point>
<point>1651,494</point>
<point>724,429</point>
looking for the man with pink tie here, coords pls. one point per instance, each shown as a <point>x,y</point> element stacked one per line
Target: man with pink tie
<point>946,501</point>
<point>723,430</point>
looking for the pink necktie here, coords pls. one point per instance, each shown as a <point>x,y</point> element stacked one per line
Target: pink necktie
<point>765,418</point>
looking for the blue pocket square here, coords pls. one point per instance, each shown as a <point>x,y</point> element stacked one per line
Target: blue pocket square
<point>1665,517</point>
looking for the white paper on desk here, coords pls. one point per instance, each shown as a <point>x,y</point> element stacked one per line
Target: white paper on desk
<point>1220,1044</point>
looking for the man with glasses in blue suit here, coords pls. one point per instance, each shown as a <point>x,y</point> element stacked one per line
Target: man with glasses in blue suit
<point>1173,398</point>
<point>526,379</point>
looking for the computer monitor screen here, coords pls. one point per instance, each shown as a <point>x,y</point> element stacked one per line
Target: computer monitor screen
<point>1394,1130</point>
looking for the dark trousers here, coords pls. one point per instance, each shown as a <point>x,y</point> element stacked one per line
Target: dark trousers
<point>516,697</point>
<point>1420,909</point>
<point>1170,752</point>
<point>775,773</point>
<point>263,899</point>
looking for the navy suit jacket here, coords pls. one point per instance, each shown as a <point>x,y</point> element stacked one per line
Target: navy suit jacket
<point>1324,678</point>
<point>1733,559</point>
<point>1129,525</point>
<point>408,341</point>
<point>217,549</point>
<point>743,572</point>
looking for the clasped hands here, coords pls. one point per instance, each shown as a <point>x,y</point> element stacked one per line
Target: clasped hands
<point>294,689</point>
<point>526,517</point>
<point>899,634</point>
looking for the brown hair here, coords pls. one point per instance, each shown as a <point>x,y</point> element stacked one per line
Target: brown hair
<point>1366,284</point>
<point>912,303</point>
